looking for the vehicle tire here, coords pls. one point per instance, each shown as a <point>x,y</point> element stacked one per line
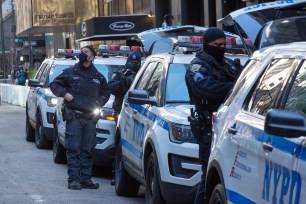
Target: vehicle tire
<point>153,193</point>
<point>59,152</point>
<point>125,185</point>
<point>218,195</point>
<point>30,131</point>
<point>40,139</point>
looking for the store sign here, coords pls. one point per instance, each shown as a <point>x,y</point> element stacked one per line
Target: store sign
<point>122,26</point>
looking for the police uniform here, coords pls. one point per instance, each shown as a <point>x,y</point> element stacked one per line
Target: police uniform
<point>121,81</point>
<point>208,81</point>
<point>89,90</point>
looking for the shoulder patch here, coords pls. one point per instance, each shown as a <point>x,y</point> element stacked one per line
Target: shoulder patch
<point>195,67</point>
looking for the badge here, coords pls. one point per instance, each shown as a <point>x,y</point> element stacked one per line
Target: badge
<point>195,67</point>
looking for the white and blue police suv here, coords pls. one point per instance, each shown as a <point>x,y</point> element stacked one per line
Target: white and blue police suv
<point>106,125</point>
<point>154,143</point>
<point>258,150</point>
<point>41,102</point>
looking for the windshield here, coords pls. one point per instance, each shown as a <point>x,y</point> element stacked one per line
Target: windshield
<point>106,70</point>
<point>176,89</point>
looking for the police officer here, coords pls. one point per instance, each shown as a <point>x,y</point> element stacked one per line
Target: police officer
<point>122,80</point>
<point>209,78</point>
<point>84,90</point>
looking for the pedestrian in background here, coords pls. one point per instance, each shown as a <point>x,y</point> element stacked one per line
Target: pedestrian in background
<point>209,79</point>
<point>21,76</point>
<point>84,89</point>
<point>122,80</point>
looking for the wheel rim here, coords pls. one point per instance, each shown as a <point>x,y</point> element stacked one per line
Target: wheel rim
<point>38,136</point>
<point>151,179</point>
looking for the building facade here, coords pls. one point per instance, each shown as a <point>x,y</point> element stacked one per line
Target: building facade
<point>40,27</point>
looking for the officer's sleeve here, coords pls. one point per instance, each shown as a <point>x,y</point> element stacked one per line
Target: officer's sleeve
<point>104,92</point>
<point>115,84</point>
<point>208,87</point>
<point>57,86</point>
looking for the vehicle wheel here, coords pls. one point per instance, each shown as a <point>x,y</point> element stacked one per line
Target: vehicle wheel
<point>30,131</point>
<point>125,185</point>
<point>40,139</point>
<point>153,193</point>
<point>59,152</point>
<point>218,195</point>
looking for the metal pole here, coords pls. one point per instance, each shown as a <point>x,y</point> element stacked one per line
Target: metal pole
<point>2,42</point>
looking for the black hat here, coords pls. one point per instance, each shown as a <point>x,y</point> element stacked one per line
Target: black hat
<point>134,56</point>
<point>213,33</point>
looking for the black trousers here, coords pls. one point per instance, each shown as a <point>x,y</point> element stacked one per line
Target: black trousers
<point>80,140</point>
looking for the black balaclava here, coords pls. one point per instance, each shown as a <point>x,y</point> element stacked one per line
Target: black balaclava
<point>211,34</point>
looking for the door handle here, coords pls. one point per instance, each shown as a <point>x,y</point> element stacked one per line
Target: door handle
<point>134,111</point>
<point>232,130</point>
<point>267,147</point>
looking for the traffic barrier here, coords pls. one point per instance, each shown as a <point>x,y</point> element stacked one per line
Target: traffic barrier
<point>14,94</point>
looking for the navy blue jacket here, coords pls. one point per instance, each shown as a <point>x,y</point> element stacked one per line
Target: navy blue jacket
<point>87,86</point>
<point>209,91</point>
<point>119,85</point>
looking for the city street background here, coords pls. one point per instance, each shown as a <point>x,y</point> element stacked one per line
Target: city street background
<point>29,175</point>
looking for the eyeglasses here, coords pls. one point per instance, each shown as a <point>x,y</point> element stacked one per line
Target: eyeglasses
<point>134,62</point>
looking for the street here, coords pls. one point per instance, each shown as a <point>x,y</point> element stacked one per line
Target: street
<point>29,175</point>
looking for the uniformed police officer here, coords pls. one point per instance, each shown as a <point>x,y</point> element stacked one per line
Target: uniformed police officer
<point>122,80</point>
<point>209,79</point>
<point>84,90</point>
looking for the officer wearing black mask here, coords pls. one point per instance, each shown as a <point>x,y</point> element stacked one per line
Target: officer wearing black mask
<point>84,90</point>
<point>122,80</point>
<point>209,79</point>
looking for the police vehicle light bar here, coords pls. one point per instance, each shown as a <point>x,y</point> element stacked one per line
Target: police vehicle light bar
<point>68,53</point>
<point>111,50</point>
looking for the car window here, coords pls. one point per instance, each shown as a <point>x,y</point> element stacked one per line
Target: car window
<point>297,96</point>
<point>44,75</point>
<point>247,71</point>
<point>154,81</point>
<point>176,89</point>
<point>146,75</point>
<point>40,71</point>
<point>270,85</point>
<point>56,70</point>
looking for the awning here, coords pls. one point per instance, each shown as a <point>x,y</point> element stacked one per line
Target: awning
<point>112,27</point>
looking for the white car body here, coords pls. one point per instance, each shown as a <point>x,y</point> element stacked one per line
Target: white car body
<point>39,102</point>
<point>105,128</point>
<point>248,163</point>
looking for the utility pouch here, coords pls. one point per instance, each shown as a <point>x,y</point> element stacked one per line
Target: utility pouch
<point>67,114</point>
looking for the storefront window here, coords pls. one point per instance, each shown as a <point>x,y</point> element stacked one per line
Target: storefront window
<point>115,7</point>
<point>146,4</point>
<point>121,7</point>
<point>137,6</point>
<point>129,6</point>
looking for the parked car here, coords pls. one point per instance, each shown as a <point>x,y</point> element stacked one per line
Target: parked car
<point>104,151</point>
<point>41,102</point>
<point>258,149</point>
<point>268,23</point>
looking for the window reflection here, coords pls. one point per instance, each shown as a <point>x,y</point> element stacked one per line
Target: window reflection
<point>297,95</point>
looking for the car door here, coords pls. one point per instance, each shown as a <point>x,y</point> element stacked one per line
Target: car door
<point>296,101</point>
<point>143,119</point>
<point>33,96</point>
<point>273,155</point>
<point>130,145</point>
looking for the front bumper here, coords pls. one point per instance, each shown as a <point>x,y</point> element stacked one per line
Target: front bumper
<point>104,157</point>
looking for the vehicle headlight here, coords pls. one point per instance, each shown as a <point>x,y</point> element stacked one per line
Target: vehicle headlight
<point>181,133</point>
<point>51,102</point>
<point>107,114</point>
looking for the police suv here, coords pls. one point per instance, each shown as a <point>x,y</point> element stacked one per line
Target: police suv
<point>107,64</point>
<point>258,150</point>
<point>41,102</point>
<point>154,143</point>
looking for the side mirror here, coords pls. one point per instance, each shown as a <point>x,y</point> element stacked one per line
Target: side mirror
<point>34,83</point>
<point>141,97</point>
<point>285,123</point>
